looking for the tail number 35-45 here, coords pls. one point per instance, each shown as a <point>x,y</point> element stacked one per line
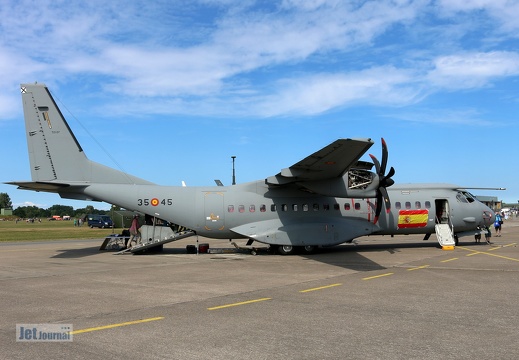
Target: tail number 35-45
<point>154,202</point>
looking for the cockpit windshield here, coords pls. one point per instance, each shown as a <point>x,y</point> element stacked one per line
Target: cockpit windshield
<point>465,197</point>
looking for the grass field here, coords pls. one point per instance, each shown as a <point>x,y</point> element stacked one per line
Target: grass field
<point>49,230</point>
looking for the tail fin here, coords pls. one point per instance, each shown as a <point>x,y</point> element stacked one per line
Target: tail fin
<point>55,154</point>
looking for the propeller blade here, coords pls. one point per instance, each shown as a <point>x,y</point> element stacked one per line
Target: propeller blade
<point>385,196</point>
<point>384,157</point>
<point>378,209</point>
<point>377,164</point>
<point>384,182</point>
<point>391,173</point>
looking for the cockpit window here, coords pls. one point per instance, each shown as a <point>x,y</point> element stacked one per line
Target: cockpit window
<point>461,198</point>
<point>470,197</point>
<point>465,197</point>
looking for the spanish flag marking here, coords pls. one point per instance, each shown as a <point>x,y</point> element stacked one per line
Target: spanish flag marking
<point>412,218</point>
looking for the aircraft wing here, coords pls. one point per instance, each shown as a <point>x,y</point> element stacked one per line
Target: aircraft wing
<point>330,162</point>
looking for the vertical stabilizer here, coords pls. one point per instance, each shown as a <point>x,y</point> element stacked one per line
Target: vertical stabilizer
<point>54,152</point>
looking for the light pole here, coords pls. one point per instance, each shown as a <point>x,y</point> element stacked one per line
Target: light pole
<point>233,173</point>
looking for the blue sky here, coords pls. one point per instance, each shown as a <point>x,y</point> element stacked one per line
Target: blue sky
<point>170,90</point>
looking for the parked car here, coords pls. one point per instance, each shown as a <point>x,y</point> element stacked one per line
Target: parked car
<point>100,221</point>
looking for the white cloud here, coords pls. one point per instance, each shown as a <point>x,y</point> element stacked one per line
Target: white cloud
<point>289,56</point>
<point>471,70</point>
<point>318,93</point>
<point>112,38</point>
<point>505,12</point>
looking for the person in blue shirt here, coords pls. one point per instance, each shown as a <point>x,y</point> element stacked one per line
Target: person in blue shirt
<point>497,224</point>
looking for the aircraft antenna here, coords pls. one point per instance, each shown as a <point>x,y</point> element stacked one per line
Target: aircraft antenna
<point>233,172</point>
<point>93,138</point>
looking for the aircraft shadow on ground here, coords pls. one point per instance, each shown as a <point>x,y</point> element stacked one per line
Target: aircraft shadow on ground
<point>350,257</point>
<point>76,253</point>
<point>346,256</point>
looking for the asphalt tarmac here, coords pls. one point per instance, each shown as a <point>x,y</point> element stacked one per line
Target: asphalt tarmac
<point>384,298</point>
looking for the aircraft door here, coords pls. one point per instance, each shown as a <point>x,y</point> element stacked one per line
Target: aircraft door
<point>214,210</point>
<point>442,211</point>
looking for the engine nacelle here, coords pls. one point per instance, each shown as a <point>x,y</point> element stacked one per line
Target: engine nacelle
<point>354,184</point>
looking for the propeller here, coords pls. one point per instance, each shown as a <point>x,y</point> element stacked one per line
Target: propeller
<point>384,181</point>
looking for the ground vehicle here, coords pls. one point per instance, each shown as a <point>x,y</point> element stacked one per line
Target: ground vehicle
<point>100,221</point>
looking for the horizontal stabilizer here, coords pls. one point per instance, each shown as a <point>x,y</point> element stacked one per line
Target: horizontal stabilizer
<point>39,185</point>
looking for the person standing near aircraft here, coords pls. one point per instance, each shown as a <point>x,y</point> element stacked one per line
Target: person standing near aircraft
<point>497,224</point>
<point>488,234</point>
<point>134,231</point>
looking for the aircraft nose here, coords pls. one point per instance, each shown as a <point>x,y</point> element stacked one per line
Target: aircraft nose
<point>488,216</point>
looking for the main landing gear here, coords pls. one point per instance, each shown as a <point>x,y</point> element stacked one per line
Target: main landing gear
<point>290,250</point>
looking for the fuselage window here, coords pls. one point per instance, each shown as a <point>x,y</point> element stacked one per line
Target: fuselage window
<point>230,208</point>
<point>284,207</point>
<point>407,204</point>
<point>357,206</point>
<point>305,207</point>
<point>398,205</point>
<point>241,208</point>
<point>273,207</point>
<point>326,207</point>
<point>336,207</point>
<point>263,207</point>
<point>427,204</point>
<point>347,206</point>
<point>294,207</point>
<point>418,205</point>
<point>252,208</point>
<point>316,207</point>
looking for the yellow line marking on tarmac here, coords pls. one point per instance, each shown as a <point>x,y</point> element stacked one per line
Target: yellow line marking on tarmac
<point>319,288</point>
<point>238,304</point>
<point>115,325</point>
<point>451,259</point>
<point>377,276</point>
<point>475,252</point>
<point>418,267</point>
<point>512,244</point>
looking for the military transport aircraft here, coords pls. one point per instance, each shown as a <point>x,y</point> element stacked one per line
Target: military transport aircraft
<point>328,198</point>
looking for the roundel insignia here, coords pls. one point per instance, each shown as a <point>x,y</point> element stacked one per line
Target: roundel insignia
<point>154,201</point>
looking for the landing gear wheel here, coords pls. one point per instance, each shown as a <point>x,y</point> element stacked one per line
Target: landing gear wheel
<point>456,240</point>
<point>309,249</point>
<point>286,249</point>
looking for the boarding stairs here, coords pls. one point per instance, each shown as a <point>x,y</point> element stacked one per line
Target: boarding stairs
<point>114,242</point>
<point>445,236</point>
<point>155,236</point>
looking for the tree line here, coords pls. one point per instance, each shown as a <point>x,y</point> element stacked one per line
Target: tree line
<point>27,212</point>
